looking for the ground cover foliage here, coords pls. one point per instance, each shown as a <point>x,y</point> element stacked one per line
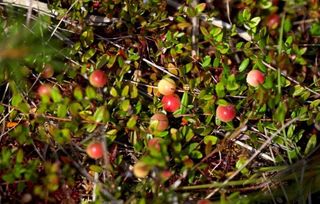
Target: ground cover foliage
<point>268,153</point>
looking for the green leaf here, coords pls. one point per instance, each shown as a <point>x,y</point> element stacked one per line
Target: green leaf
<point>125,91</point>
<point>20,155</point>
<point>210,138</point>
<point>102,60</point>
<point>254,22</point>
<point>96,168</point>
<point>244,64</point>
<point>220,89</point>
<point>246,15</point>
<point>184,103</point>
<point>62,136</point>
<point>8,177</point>
<point>177,147</point>
<point>242,160</point>
<point>187,133</point>
<point>239,45</point>
<point>287,27</point>
<point>191,147</point>
<point>216,62</point>
<point>138,107</point>
<point>16,99</point>
<point>169,36</point>
<point>261,66</point>
<point>125,105</point>
<point>90,127</point>
<point>289,41</point>
<point>188,67</point>
<point>120,61</point>
<point>223,48</point>
<point>134,91</point>
<point>87,38</point>
<point>315,104</point>
<point>280,113</point>
<point>132,121</point>
<point>200,7</point>
<point>231,83</point>
<point>112,132</point>
<point>196,154</point>
<point>265,4</point>
<point>112,60</point>
<point>113,92</point>
<point>215,31</point>
<point>268,83</point>
<point>204,31</point>
<point>62,110</point>
<point>161,134</point>
<point>180,19</point>
<point>206,61</point>
<point>74,108</point>
<point>191,12</point>
<point>298,90</point>
<point>101,114</point>
<point>87,55</point>
<point>133,56</point>
<point>312,142</point>
<point>315,29</point>
<point>90,92</point>
<point>55,94</point>
<point>222,102</point>
<point>77,93</point>
<point>290,131</point>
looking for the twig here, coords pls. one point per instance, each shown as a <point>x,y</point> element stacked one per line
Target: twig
<point>216,166</point>
<point>305,21</point>
<point>160,68</point>
<point>222,24</point>
<point>38,152</point>
<point>248,147</point>
<point>141,84</point>
<point>228,11</point>
<point>266,143</point>
<point>94,191</point>
<point>57,26</point>
<point>29,12</point>
<point>291,79</point>
<point>195,32</point>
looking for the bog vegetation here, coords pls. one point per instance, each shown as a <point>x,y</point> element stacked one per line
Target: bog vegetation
<point>151,101</point>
